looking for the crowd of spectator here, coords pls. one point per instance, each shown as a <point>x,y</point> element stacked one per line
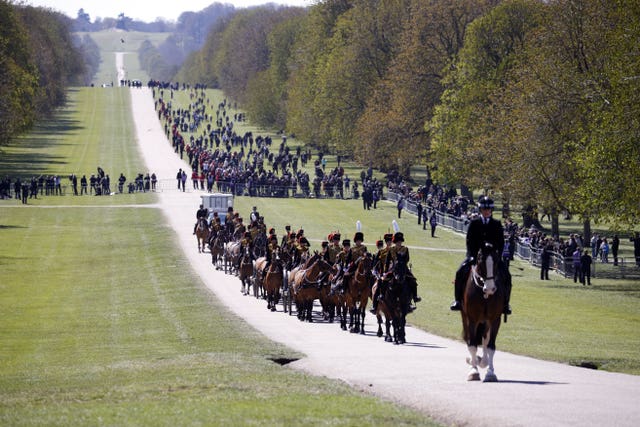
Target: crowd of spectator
<point>52,185</point>
<point>221,159</point>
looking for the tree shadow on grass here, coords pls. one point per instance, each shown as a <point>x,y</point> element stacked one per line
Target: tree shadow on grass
<point>30,155</point>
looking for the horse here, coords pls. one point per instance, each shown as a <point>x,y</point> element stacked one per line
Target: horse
<point>393,305</point>
<point>272,282</point>
<point>482,306</point>
<point>232,255</point>
<point>305,285</point>
<point>245,272</point>
<point>202,233</point>
<point>358,292</point>
<point>217,249</point>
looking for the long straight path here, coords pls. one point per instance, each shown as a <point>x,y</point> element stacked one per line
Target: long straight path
<point>429,372</point>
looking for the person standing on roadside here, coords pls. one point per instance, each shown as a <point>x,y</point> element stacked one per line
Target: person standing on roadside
<point>433,222</point>
<point>545,262</point>
<point>179,178</point>
<point>577,268</point>
<point>400,206</point>
<point>615,246</point>
<point>585,263</point>
<point>184,180</point>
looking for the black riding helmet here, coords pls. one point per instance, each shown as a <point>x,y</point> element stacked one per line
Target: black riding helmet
<point>485,202</point>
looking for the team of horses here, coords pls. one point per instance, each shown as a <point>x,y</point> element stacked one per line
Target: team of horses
<point>300,282</point>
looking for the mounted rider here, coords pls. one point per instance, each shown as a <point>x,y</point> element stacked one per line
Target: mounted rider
<point>380,268</point>
<point>201,213</point>
<point>302,246</point>
<point>398,265</point>
<point>483,229</point>
<point>254,215</point>
<point>272,250</point>
<point>239,229</point>
<point>285,236</point>
<point>334,247</point>
<point>245,242</point>
<point>228,221</point>
<point>343,261</point>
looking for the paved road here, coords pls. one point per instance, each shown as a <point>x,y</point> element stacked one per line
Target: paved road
<point>429,372</point>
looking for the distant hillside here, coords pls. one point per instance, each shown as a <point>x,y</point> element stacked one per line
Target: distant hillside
<point>188,34</point>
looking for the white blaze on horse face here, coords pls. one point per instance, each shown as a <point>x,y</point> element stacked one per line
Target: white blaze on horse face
<point>489,287</point>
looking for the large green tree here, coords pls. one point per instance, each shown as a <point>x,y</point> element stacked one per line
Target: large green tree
<point>18,75</point>
<point>391,131</point>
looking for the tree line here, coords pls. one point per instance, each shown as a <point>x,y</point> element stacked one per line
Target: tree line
<point>39,59</point>
<point>534,100</point>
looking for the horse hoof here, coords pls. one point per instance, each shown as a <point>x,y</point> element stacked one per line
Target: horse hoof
<point>490,378</point>
<point>388,339</point>
<point>474,376</point>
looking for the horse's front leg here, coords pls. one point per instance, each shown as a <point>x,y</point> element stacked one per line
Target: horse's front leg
<point>472,360</point>
<point>388,337</point>
<point>490,376</point>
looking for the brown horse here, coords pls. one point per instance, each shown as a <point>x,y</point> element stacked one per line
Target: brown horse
<point>306,283</point>
<point>245,273</point>
<point>482,305</point>
<point>202,234</point>
<point>272,282</point>
<point>358,292</point>
<point>217,250</point>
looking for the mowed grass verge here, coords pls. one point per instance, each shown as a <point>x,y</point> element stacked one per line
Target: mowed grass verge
<point>102,322</point>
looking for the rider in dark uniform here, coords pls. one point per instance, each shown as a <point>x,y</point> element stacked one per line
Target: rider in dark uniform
<point>379,269</point>
<point>334,247</point>
<point>398,258</point>
<point>482,229</point>
<point>201,213</point>
<point>343,261</point>
<point>245,242</point>
<point>272,248</point>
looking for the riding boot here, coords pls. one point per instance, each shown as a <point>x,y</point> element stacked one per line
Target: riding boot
<point>194,228</point>
<point>507,293</point>
<point>456,305</point>
<point>374,306</point>
<point>414,291</point>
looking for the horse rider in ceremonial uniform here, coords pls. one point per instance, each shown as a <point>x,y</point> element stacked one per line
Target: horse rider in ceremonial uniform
<point>483,229</point>
<point>343,261</point>
<point>285,236</point>
<point>272,249</point>
<point>240,228</point>
<point>228,220</point>
<point>202,212</point>
<point>245,242</point>
<point>302,246</point>
<point>358,250</point>
<point>398,262</point>
<point>324,253</point>
<point>214,228</point>
<point>254,228</point>
<point>379,270</point>
<point>334,247</point>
